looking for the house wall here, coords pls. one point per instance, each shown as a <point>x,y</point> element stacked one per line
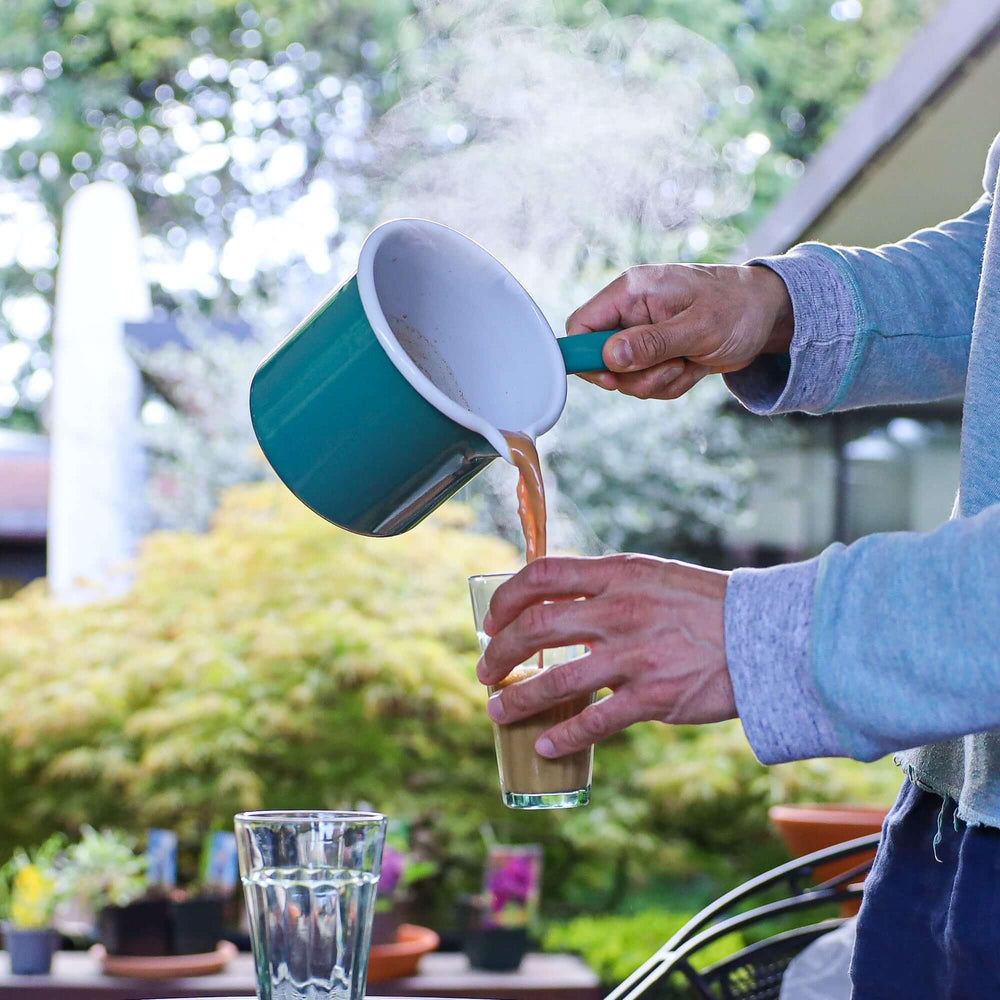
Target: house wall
<point>791,506</point>
<point>934,171</point>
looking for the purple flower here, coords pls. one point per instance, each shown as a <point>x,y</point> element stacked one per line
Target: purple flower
<point>393,863</point>
<point>513,882</point>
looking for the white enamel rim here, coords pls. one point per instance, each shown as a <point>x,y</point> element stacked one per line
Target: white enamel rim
<point>380,326</point>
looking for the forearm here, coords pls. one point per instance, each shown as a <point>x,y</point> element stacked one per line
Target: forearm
<point>896,648</point>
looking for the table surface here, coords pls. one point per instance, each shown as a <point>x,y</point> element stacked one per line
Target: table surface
<point>76,976</point>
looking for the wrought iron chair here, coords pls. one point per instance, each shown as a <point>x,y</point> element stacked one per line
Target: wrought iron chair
<point>754,972</point>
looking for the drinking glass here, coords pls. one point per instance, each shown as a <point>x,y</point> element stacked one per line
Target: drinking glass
<point>528,781</point>
<point>310,880</point>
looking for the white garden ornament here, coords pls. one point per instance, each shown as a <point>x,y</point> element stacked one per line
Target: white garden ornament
<point>96,479</point>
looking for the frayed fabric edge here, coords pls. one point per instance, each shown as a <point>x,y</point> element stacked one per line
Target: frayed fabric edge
<point>970,817</point>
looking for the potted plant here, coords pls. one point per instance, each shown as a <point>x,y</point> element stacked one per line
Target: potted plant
<point>196,919</point>
<point>497,922</point>
<point>107,876</point>
<point>197,913</point>
<point>30,888</point>
<point>401,870</point>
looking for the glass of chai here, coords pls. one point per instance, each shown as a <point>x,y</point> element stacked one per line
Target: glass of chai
<point>528,781</point>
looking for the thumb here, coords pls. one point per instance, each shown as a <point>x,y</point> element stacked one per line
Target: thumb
<point>649,344</point>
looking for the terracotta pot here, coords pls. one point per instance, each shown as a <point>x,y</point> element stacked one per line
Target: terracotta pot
<point>399,959</point>
<point>808,828</point>
<point>386,924</point>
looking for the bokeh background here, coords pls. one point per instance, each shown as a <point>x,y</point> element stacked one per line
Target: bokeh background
<point>261,658</point>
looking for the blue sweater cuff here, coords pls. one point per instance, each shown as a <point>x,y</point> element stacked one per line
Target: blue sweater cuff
<point>768,617</point>
<point>810,377</point>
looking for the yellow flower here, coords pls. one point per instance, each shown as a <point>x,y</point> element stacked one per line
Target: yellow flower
<point>33,898</point>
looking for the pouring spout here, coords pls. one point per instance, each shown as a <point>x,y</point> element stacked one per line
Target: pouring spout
<point>582,352</point>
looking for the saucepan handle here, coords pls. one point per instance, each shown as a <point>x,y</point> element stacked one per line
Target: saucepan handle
<point>582,352</point>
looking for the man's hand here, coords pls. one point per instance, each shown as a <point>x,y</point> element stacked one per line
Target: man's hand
<point>655,632</point>
<point>684,321</point>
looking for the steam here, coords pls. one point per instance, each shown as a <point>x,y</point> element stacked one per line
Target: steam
<point>569,153</point>
<point>562,150</point>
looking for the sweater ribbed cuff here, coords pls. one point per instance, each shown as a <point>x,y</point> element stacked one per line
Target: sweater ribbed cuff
<point>768,618</point>
<point>809,377</point>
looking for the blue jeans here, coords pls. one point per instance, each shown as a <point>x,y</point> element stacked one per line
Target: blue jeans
<point>930,927</point>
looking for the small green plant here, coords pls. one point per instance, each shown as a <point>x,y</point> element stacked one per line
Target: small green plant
<point>102,869</point>
<point>402,869</point>
<point>616,946</point>
<point>30,885</point>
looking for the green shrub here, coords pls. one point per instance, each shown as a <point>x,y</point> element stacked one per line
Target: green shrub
<point>616,946</point>
<point>278,662</point>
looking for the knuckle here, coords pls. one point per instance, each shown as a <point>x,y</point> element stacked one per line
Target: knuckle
<point>648,660</point>
<point>492,658</point>
<point>650,344</point>
<point>632,277</point>
<point>622,568</point>
<point>624,614</point>
<point>536,620</point>
<point>589,724</point>
<point>560,682</point>
<point>542,572</point>
<point>513,698</point>
<point>626,564</point>
<point>712,314</point>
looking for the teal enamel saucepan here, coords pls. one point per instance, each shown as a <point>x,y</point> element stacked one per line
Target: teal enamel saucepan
<point>393,393</point>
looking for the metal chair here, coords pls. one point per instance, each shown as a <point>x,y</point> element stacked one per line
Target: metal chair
<point>754,972</point>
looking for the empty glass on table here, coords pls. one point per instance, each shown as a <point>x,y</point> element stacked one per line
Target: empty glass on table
<point>310,880</point>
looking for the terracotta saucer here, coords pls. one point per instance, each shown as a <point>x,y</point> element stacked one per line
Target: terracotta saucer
<point>164,966</point>
<point>400,958</point>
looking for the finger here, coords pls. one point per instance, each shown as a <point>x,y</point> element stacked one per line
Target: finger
<point>560,682</point>
<point>653,382</point>
<point>602,311</point>
<point>596,722</point>
<point>637,384</point>
<point>606,380</point>
<point>541,626</point>
<point>692,375</point>
<point>648,344</point>
<point>549,578</point>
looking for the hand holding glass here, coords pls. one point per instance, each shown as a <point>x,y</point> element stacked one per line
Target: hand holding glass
<point>528,781</point>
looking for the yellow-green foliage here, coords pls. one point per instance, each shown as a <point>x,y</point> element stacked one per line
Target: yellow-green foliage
<point>33,895</point>
<point>279,662</point>
<point>616,946</point>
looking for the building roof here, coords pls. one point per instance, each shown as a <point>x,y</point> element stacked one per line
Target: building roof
<point>911,152</point>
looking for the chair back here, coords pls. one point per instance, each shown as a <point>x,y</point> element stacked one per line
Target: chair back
<point>755,972</point>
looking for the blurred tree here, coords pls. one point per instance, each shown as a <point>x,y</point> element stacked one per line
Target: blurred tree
<point>235,125</point>
<point>277,662</point>
<point>240,129</point>
<point>802,64</point>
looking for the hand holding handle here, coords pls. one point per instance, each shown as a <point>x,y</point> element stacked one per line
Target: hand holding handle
<point>582,352</point>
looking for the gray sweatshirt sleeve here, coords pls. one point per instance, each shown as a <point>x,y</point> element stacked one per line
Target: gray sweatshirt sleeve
<point>890,325</point>
<point>871,326</point>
